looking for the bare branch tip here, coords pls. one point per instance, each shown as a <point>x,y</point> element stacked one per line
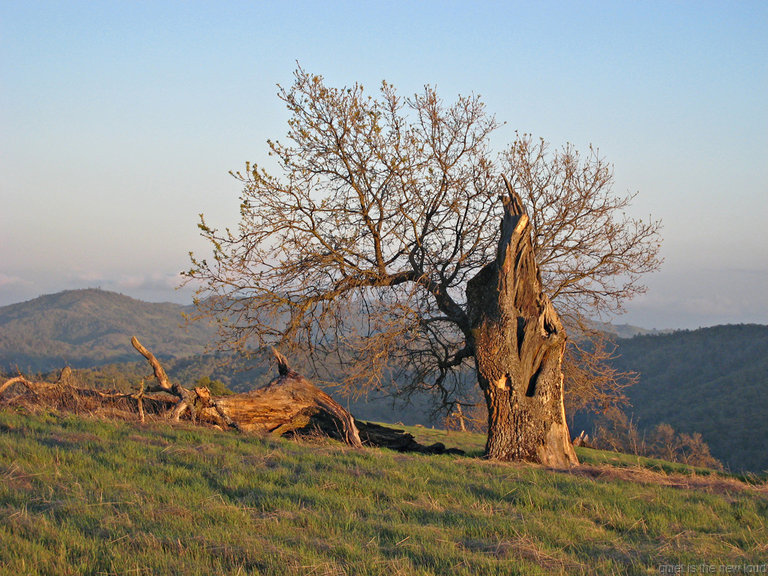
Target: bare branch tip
<point>512,200</point>
<point>282,363</point>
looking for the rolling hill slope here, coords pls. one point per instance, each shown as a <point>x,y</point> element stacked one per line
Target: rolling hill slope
<point>90,327</point>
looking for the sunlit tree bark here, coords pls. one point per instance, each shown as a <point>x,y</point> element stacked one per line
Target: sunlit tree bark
<point>519,342</point>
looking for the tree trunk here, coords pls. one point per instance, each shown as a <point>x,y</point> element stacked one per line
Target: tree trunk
<point>519,342</point>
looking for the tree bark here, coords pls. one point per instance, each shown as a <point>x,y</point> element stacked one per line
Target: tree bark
<point>289,403</point>
<point>519,343</point>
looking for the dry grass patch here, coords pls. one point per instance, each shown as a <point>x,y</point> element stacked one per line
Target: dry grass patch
<point>711,483</point>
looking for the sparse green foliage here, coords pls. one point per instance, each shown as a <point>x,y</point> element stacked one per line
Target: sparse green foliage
<point>216,387</point>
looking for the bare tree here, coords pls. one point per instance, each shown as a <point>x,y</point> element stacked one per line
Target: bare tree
<point>363,247</point>
<point>591,253</point>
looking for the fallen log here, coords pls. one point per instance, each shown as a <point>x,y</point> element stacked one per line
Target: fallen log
<point>288,404</point>
<point>64,395</point>
<point>385,437</point>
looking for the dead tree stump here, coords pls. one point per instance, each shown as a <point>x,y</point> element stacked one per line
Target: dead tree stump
<point>519,342</point>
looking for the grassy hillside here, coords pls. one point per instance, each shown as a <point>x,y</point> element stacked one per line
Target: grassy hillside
<point>713,381</point>
<point>93,497</point>
<point>83,328</point>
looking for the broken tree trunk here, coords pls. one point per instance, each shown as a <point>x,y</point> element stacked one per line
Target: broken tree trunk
<point>289,403</point>
<point>519,342</point>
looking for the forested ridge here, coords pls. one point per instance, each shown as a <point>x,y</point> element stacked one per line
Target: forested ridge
<point>712,380</point>
<point>91,327</point>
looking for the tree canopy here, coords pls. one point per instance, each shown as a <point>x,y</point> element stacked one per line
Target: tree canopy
<point>361,243</point>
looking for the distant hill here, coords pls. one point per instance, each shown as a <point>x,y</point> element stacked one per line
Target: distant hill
<point>627,330</point>
<point>711,380</point>
<point>91,327</point>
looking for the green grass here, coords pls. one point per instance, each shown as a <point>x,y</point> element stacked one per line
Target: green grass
<point>474,444</point>
<point>84,496</point>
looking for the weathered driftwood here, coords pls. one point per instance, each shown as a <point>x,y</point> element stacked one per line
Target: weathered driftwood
<point>519,343</point>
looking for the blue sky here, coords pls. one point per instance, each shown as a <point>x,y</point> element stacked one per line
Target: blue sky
<point>119,122</point>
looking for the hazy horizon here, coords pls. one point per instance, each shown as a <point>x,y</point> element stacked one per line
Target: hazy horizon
<point>120,121</point>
